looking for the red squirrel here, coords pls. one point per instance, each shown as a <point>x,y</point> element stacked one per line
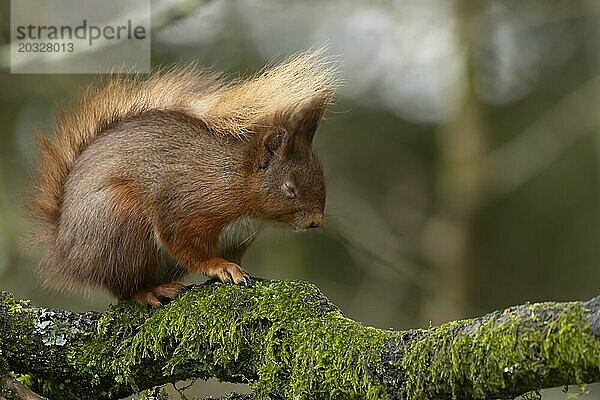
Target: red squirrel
<point>146,179</point>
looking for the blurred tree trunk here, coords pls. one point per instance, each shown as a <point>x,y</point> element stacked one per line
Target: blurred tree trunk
<point>461,149</point>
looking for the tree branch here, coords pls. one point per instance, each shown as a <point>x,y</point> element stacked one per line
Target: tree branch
<point>10,388</point>
<point>288,340</point>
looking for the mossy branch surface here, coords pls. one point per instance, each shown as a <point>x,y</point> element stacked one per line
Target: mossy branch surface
<point>288,341</point>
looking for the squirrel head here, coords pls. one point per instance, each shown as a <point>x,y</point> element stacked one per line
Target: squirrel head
<point>288,176</point>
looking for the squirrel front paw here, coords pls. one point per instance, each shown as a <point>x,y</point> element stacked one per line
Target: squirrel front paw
<point>225,271</point>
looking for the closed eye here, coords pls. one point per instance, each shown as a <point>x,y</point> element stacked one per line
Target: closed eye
<point>290,190</point>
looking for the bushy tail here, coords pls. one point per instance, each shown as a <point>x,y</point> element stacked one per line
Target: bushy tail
<point>226,108</point>
<point>100,106</point>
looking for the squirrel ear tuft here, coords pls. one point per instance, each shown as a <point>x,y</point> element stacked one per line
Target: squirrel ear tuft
<point>270,143</point>
<point>304,120</point>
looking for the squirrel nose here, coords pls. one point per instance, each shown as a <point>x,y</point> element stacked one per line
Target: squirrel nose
<point>316,220</point>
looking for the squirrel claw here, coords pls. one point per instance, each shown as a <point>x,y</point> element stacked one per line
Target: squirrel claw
<point>227,272</point>
<point>246,281</point>
<point>147,299</point>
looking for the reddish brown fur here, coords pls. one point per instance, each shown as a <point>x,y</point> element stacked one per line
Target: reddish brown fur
<point>141,176</point>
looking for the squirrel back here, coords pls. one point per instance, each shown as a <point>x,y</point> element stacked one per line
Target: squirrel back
<point>274,112</point>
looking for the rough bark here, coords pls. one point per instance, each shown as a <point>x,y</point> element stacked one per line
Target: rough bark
<point>288,340</point>
<point>12,389</point>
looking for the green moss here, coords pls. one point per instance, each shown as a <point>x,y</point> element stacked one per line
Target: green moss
<point>300,344</point>
<point>47,388</point>
<point>152,394</point>
<point>327,358</point>
<point>98,356</point>
<point>21,320</point>
<point>503,352</point>
<point>28,380</point>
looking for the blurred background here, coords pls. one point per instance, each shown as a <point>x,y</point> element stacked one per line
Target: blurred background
<point>462,155</point>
